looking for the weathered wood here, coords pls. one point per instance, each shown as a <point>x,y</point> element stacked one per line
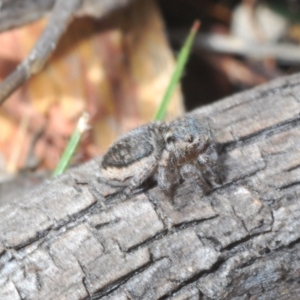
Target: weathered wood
<point>68,241</point>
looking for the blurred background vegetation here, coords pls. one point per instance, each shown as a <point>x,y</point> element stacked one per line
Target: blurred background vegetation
<point>118,68</point>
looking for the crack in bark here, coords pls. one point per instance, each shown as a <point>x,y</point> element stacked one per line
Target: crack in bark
<point>38,282</point>
<point>261,134</point>
<point>160,214</point>
<point>294,243</point>
<point>243,222</point>
<point>109,288</point>
<point>238,180</point>
<point>17,290</point>
<point>219,264</point>
<point>248,263</point>
<point>272,217</point>
<point>291,168</point>
<point>41,236</point>
<point>260,94</point>
<point>267,249</point>
<point>84,283</point>
<point>212,240</point>
<point>53,258</point>
<point>158,236</point>
<point>106,224</point>
<point>5,257</point>
<point>117,197</point>
<point>192,223</point>
<point>167,232</point>
<point>194,278</point>
<point>288,246</point>
<point>243,240</point>
<point>284,187</point>
<point>270,155</point>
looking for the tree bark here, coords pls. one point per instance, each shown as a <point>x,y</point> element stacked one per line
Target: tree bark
<point>74,238</point>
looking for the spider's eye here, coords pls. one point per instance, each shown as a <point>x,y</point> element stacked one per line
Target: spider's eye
<point>190,139</point>
<point>170,139</point>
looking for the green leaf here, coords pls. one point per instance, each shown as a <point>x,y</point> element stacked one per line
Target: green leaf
<point>72,145</point>
<point>181,62</point>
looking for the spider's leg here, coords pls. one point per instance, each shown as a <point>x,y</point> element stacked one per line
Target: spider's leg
<point>141,176</point>
<point>209,161</point>
<point>62,13</point>
<point>190,173</point>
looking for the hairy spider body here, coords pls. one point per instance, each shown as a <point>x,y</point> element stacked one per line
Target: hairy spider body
<point>169,153</point>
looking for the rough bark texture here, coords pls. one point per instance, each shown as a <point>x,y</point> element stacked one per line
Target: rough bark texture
<point>68,240</point>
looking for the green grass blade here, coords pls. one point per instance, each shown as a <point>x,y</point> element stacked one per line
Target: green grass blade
<point>180,64</point>
<point>72,145</point>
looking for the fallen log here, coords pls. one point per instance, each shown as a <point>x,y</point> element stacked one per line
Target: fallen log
<point>75,238</point>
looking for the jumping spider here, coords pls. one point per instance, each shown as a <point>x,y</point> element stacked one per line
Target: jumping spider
<point>168,153</point>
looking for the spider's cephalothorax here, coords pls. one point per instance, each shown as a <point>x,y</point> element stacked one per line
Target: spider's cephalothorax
<point>169,153</point>
<point>186,138</point>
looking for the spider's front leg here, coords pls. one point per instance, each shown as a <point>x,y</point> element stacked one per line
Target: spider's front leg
<point>209,162</point>
<point>190,172</point>
<point>167,174</point>
<point>143,172</point>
